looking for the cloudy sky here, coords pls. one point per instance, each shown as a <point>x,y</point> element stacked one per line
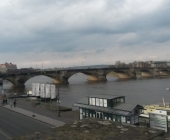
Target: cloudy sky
<point>64,33</point>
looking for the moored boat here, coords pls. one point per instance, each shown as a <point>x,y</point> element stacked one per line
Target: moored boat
<point>162,108</point>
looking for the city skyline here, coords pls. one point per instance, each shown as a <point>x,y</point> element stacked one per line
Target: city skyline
<point>66,33</point>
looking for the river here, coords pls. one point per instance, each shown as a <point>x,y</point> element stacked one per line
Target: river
<point>139,91</point>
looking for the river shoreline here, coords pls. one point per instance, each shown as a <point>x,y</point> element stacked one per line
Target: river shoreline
<point>71,118</point>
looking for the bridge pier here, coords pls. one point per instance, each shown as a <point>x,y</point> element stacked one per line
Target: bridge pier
<point>150,73</point>
<point>63,80</point>
<point>147,74</point>
<point>128,74</point>
<point>164,73</point>
<point>19,83</point>
<point>98,75</point>
<point>102,78</point>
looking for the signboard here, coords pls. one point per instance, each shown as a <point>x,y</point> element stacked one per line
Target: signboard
<point>158,121</point>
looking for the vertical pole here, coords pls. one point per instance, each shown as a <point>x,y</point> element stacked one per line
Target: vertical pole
<point>58,101</point>
<point>45,93</point>
<point>40,93</point>
<point>58,104</point>
<point>50,96</point>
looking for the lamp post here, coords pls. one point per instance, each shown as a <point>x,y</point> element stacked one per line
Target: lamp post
<point>45,91</point>
<point>58,100</point>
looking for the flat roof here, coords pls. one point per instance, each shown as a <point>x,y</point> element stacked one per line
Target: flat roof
<point>84,100</point>
<point>125,106</point>
<point>106,96</point>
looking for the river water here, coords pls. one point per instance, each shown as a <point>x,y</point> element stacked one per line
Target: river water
<point>139,91</point>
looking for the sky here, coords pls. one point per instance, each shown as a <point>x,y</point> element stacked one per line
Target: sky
<point>66,33</point>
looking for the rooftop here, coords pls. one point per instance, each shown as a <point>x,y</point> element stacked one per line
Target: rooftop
<point>106,96</point>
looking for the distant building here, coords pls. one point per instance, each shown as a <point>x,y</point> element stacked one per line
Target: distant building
<point>119,64</point>
<point>159,64</point>
<point>140,64</point>
<point>109,107</point>
<point>168,64</point>
<point>6,66</point>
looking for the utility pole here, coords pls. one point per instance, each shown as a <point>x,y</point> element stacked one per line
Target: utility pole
<point>58,101</point>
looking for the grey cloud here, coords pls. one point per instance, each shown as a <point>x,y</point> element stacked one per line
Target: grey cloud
<point>100,50</point>
<point>57,26</point>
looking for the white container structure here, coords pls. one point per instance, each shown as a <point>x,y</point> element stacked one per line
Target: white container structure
<point>33,89</point>
<point>47,91</point>
<point>53,92</point>
<point>37,93</point>
<point>44,90</point>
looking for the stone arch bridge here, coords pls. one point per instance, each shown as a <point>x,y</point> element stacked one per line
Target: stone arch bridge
<point>95,74</point>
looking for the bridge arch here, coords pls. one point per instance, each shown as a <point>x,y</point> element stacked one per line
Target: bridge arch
<point>92,74</point>
<point>124,73</point>
<point>146,73</point>
<point>164,72</point>
<point>89,76</point>
<point>20,81</point>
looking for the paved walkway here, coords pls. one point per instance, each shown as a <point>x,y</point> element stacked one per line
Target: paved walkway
<point>35,116</point>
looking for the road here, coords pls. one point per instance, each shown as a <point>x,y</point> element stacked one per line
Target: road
<point>13,125</point>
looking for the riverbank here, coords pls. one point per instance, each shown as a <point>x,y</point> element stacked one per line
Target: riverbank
<point>88,128</point>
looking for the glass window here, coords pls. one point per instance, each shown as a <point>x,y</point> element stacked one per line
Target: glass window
<point>101,102</point>
<point>122,100</point>
<point>118,118</point>
<point>105,102</point>
<point>90,101</point>
<point>93,101</point>
<point>114,118</point>
<point>97,101</point>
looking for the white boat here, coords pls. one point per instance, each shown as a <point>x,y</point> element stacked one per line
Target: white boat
<point>162,108</point>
